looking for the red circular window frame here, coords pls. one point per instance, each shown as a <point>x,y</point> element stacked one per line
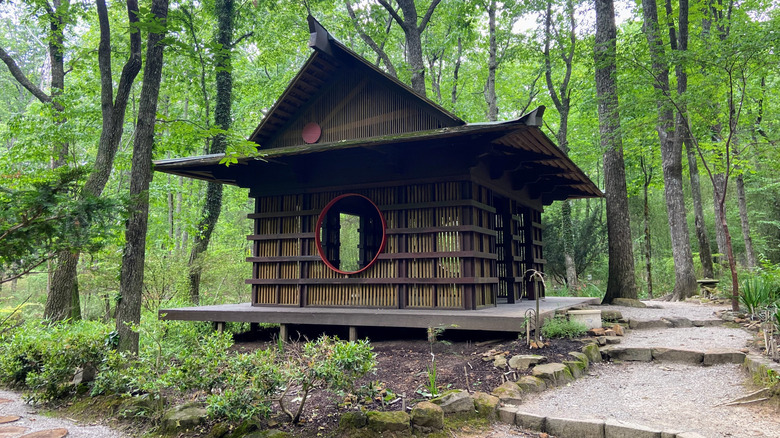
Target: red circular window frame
<point>318,240</point>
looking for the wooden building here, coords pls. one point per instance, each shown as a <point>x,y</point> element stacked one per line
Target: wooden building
<point>369,195</point>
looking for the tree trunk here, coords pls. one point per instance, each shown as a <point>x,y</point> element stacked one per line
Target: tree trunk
<point>455,73</point>
<point>705,252</point>
<point>65,279</point>
<point>621,281</point>
<point>718,186</point>
<point>490,84</point>
<point>222,119</point>
<point>648,244</point>
<point>680,127</point>
<point>562,103</point>
<point>412,33</point>
<point>671,160</point>
<point>750,255</point>
<point>128,312</point>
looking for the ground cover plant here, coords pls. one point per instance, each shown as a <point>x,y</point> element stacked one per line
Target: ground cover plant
<point>247,378</point>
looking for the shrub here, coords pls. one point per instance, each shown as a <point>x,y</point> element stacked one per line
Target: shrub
<point>756,294</point>
<point>328,363</point>
<point>562,328</point>
<point>251,380</point>
<point>43,357</point>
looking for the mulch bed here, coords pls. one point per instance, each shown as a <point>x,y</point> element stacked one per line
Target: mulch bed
<point>403,358</point>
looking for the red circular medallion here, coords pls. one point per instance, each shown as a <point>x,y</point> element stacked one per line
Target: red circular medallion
<point>311,133</point>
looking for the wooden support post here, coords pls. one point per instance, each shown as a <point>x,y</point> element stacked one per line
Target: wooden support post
<point>353,334</point>
<point>219,326</point>
<point>283,334</point>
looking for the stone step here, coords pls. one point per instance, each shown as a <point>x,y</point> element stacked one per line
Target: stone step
<point>578,428</point>
<point>672,322</point>
<point>647,354</point>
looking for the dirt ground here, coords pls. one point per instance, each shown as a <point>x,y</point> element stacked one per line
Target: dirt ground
<point>403,358</point>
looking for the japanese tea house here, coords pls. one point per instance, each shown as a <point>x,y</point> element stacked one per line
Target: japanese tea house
<point>368,195</point>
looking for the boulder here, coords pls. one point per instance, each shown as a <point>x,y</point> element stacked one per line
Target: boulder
<point>611,315</point>
<point>455,401</point>
<point>500,362</point>
<point>618,329</point>
<point>593,353</point>
<point>138,406</point>
<point>427,417</point>
<point>554,374</point>
<point>182,418</point>
<point>576,368</point>
<point>524,361</point>
<point>486,405</point>
<point>682,356</point>
<point>84,374</point>
<point>509,393</point>
<point>598,331</point>
<point>612,340</point>
<point>582,357</point>
<point>353,420</point>
<point>628,302</point>
<point>392,421</point>
<point>531,384</point>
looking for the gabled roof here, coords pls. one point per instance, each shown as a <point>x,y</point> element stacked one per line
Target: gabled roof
<point>341,91</point>
<point>378,117</point>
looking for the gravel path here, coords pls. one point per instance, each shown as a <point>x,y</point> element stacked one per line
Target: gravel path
<point>670,309</point>
<point>36,422</point>
<point>664,395</point>
<point>668,396</point>
<point>693,338</point>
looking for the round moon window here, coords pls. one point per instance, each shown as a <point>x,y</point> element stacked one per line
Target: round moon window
<point>350,233</point>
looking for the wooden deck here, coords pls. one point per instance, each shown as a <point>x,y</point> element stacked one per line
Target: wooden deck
<point>502,318</point>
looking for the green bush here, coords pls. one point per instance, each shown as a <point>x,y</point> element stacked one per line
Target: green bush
<point>328,363</point>
<point>43,357</point>
<point>559,327</point>
<point>251,380</point>
<point>758,292</point>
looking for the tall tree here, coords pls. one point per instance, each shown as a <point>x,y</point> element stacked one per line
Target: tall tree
<point>412,32</point>
<point>566,42</point>
<point>671,158</point>
<point>128,309</point>
<point>225,11</point>
<point>678,42</point>
<point>621,282</point>
<point>62,300</point>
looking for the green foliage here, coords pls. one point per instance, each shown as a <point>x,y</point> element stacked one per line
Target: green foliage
<point>328,363</point>
<point>589,234</point>
<point>43,357</point>
<point>249,384</point>
<point>758,292</point>
<point>560,327</point>
<point>41,216</point>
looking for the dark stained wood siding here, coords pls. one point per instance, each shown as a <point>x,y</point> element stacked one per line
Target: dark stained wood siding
<point>441,250</point>
<point>357,105</point>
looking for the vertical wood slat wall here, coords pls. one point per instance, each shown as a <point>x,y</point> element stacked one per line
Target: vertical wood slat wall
<point>441,250</point>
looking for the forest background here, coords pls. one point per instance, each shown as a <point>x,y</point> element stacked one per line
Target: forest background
<point>481,59</point>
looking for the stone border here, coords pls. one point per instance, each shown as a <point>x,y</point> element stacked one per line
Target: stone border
<point>671,322</point>
<point>553,374</point>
